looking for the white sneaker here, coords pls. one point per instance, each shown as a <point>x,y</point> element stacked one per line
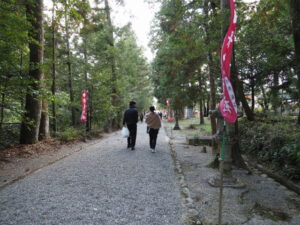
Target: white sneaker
<point>152,150</point>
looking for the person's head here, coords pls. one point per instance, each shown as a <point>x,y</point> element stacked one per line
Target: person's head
<point>132,103</point>
<point>152,108</point>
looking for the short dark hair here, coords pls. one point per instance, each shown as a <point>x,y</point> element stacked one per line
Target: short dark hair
<point>132,103</point>
<point>152,108</point>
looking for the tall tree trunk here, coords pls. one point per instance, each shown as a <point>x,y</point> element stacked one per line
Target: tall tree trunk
<point>23,93</point>
<point>2,104</point>
<point>213,121</point>
<point>208,106</point>
<point>31,118</point>
<point>114,122</point>
<point>53,87</point>
<point>237,158</point>
<point>201,100</point>
<point>91,108</point>
<point>252,94</point>
<point>70,77</point>
<point>275,94</point>
<point>239,90</point>
<point>212,92</point>
<point>265,101</point>
<point>201,111</point>
<point>44,132</point>
<point>295,14</point>
<point>176,127</point>
<point>241,97</point>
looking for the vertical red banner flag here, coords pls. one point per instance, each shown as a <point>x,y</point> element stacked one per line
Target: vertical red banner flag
<point>168,102</point>
<point>228,105</point>
<point>84,98</point>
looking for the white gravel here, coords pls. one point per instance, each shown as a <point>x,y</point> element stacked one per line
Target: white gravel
<point>105,184</point>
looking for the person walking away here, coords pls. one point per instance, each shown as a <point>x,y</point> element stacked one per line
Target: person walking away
<point>130,119</point>
<point>160,115</point>
<point>141,117</point>
<point>153,123</point>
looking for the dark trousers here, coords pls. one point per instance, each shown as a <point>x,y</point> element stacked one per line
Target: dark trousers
<point>132,135</point>
<point>153,136</point>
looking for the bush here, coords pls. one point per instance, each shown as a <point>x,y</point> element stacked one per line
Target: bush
<point>68,134</point>
<point>275,144</point>
<point>9,135</point>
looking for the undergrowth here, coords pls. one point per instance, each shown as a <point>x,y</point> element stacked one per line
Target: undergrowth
<point>276,144</point>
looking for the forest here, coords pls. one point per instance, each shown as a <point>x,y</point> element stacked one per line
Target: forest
<point>48,55</point>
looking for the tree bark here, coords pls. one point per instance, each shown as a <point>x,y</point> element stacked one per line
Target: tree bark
<point>275,93</point>
<point>252,94</point>
<point>210,66</point>
<point>237,158</point>
<point>31,118</point>
<point>208,106</point>
<point>241,97</point>
<point>44,126</point>
<point>295,14</point>
<point>70,77</point>
<point>239,90</point>
<point>212,93</point>
<point>176,127</point>
<point>2,105</point>
<point>44,132</point>
<point>91,108</point>
<point>265,101</point>
<point>201,100</point>
<point>201,111</point>
<point>114,122</point>
<point>53,87</point>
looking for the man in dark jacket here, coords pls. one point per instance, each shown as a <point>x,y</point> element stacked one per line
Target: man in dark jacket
<point>131,119</point>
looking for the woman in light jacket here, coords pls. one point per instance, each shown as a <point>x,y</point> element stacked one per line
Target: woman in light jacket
<point>153,124</point>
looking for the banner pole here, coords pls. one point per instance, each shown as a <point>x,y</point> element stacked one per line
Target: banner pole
<point>221,194</point>
<point>222,157</point>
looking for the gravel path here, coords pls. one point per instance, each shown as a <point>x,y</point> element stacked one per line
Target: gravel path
<point>105,184</point>
<point>262,202</point>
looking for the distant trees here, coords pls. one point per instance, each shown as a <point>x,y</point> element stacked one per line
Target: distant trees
<point>189,40</point>
<point>82,49</point>
<point>295,15</point>
<point>265,64</point>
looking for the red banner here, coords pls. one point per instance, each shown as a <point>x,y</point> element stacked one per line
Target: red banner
<point>168,102</point>
<point>228,105</point>
<point>84,98</point>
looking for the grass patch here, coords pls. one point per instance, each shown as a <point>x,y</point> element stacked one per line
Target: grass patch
<point>192,126</point>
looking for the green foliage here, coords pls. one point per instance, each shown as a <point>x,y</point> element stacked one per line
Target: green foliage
<point>274,143</point>
<point>9,134</point>
<point>183,36</point>
<point>68,135</point>
<point>13,57</point>
<point>265,52</point>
